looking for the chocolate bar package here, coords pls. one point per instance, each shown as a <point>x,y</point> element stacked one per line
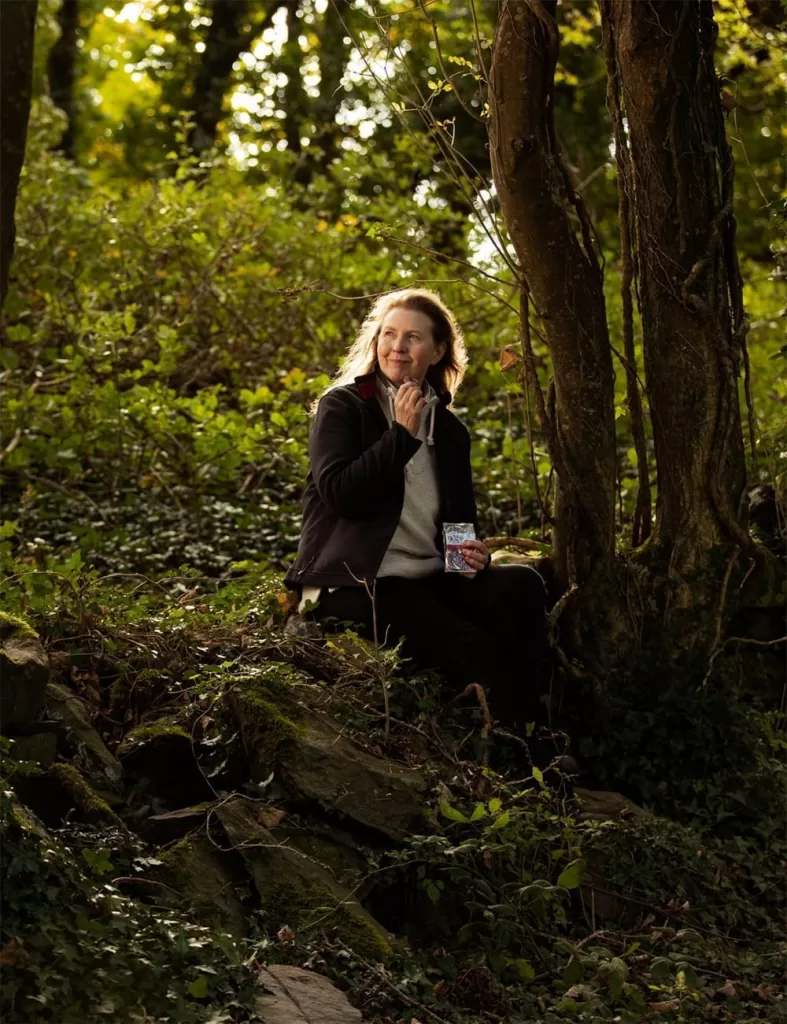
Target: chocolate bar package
<point>454,535</point>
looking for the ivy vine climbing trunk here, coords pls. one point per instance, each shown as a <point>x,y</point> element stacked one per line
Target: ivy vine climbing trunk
<point>561,275</point>
<point>17,36</point>
<point>680,177</point>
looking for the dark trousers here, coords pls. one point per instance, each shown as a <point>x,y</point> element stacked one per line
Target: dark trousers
<point>487,630</point>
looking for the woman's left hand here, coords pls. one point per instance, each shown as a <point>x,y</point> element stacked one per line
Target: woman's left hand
<point>476,554</point>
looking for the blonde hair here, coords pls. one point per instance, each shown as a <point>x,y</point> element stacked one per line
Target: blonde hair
<point>361,356</point>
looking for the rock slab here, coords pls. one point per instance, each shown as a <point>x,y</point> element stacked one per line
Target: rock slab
<point>89,752</point>
<point>296,996</point>
<point>323,765</point>
<point>297,887</point>
<point>24,674</point>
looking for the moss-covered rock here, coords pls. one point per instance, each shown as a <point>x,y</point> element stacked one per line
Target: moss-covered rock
<point>160,751</point>
<point>204,875</point>
<point>168,726</point>
<point>327,767</point>
<point>14,627</point>
<point>295,888</point>
<point>39,748</point>
<point>81,741</point>
<point>61,794</point>
<point>313,758</point>
<point>264,714</point>
<point>24,674</point>
<point>600,805</point>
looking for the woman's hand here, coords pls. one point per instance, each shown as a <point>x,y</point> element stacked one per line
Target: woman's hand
<point>408,405</point>
<point>476,554</point>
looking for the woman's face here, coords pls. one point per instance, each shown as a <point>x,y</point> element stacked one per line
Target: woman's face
<point>406,346</point>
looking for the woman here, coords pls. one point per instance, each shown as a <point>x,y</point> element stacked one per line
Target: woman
<point>389,464</point>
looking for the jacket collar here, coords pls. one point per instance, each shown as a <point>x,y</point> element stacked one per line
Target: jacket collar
<point>367,386</point>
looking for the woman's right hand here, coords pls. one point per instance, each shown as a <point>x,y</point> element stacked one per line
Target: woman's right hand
<point>408,406</point>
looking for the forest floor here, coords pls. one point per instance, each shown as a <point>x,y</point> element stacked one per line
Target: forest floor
<point>213,794</point>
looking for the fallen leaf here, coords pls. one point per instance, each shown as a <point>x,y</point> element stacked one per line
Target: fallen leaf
<point>667,1006</point>
<point>766,992</point>
<point>270,817</point>
<point>581,992</point>
<point>728,989</point>
<point>9,953</point>
<point>286,934</point>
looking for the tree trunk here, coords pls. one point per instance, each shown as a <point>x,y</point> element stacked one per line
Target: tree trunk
<point>563,277</point>
<point>61,71</point>
<point>333,60</point>
<point>17,36</point>
<point>234,26</point>
<point>295,100</point>
<point>690,289</point>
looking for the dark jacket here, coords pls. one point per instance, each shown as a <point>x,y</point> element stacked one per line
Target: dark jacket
<point>355,487</point>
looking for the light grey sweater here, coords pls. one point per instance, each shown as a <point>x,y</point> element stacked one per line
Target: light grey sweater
<point>413,550</point>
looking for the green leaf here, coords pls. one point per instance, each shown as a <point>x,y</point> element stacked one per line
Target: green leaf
<point>571,875</point>
<point>452,813</point>
<point>618,972</point>
<point>433,892</point>
<point>524,969</point>
<point>662,968</point>
<point>573,973</point>
<point>687,977</point>
<point>75,562</point>
<point>478,812</point>
<point>501,821</point>
<point>8,358</point>
<point>8,528</point>
<point>494,805</point>
<point>538,775</point>
<point>199,987</point>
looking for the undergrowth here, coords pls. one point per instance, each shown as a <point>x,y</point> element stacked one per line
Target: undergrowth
<point>516,907</point>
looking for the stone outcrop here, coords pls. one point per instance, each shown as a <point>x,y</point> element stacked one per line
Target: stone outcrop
<point>24,674</point>
<point>295,996</point>
<point>325,766</point>
<point>599,805</point>
<point>80,740</point>
<point>61,794</point>
<point>315,761</point>
<point>161,752</point>
<point>195,868</point>
<point>300,889</point>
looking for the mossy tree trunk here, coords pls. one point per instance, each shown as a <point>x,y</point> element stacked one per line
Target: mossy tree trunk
<point>562,278</point>
<point>676,177</point>
<point>17,36</point>
<point>680,175</point>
